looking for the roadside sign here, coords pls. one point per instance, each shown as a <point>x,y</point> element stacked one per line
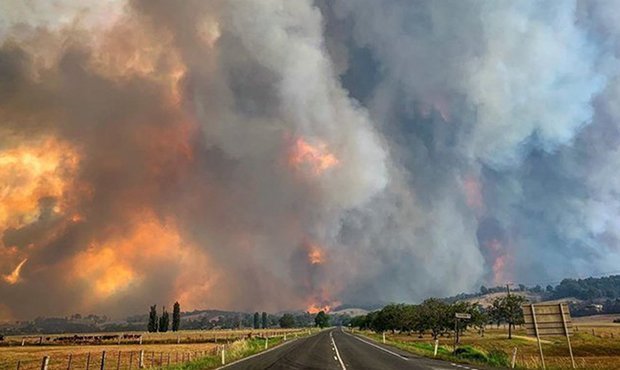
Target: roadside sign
<point>546,319</point>
<point>459,315</point>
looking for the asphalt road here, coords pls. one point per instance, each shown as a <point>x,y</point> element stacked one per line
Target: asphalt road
<point>336,350</point>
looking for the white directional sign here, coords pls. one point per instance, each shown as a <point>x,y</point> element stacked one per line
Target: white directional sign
<point>459,315</point>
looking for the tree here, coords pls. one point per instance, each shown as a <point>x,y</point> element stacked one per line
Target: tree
<point>507,309</point>
<point>264,320</point>
<point>484,290</point>
<point>321,320</point>
<point>256,320</point>
<point>152,327</point>
<point>176,316</point>
<point>549,289</point>
<point>164,321</point>
<point>287,321</point>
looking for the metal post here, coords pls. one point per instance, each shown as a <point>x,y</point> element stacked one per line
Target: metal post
<point>102,360</point>
<point>141,359</point>
<point>542,357</point>
<point>266,342</point>
<point>570,348</point>
<point>45,363</point>
<point>223,356</point>
<point>383,337</point>
<point>514,358</point>
<point>436,347</point>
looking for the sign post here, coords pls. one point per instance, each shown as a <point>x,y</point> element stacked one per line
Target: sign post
<point>458,316</point>
<point>548,320</point>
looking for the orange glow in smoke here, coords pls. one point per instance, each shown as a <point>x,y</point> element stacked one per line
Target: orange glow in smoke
<point>14,277</point>
<point>314,308</point>
<point>31,172</point>
<point>316,255</point>
<point>123,261</point>
<point>315,158</point>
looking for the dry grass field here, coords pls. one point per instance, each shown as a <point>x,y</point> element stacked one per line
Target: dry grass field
<point>159,349</point>
<point>596,345</point>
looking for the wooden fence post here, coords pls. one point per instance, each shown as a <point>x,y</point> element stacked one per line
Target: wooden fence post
<point>141,359</point>
<point>45,363</point>
<point>168,359</point>
<point>223,356</point>
<point>102,360</point>
<point>69,361</point>
<point>514,358</point>
<point>436,347</point>
<point>161,359</point>
<point>88,361</point>
<point>130,359</point>
<point>19,364</point>
<point>152,358</point>
<point>118,361</point>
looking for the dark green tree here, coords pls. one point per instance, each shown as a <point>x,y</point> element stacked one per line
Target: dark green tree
<point>321,320</point>
<point>164,321</point>
<point>176,316</point>
<point>152,327</point>
<point>264,320</point>
<point>256,320</point>
<point>287,321</point>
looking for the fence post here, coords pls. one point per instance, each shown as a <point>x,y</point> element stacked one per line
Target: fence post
<point>130,359</point>
<point>161,359</point>
<point>118,361</point>
<point>436,347</point>
<point>69,361</point>
<point>23,341</point>
<point>88,361</point>
<point>514,358</point>
<point>266,342</point>
<point>19,364</point>
<point>141,359</point>
<point>383,337</point>
<point>102,360</point>
<point>45,362</point>
<point>178,339</point>
<point>168,359</point>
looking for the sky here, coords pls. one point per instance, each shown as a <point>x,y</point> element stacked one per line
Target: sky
<point>270,155</point>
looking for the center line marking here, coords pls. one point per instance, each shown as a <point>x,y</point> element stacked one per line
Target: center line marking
<point>337,353</point>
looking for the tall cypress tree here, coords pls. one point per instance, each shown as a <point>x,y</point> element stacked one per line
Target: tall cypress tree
<point>164,321</point>
<point>256,320</point>
<point>264,320</point>
<point>176,316</point>
<point>153,319</point>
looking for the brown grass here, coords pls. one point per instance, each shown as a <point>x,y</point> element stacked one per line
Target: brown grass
<point>600,350</point>
<point>157,347</point>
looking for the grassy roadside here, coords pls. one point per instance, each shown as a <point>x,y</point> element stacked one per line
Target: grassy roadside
<point>465,353</point>
<point>234,351</point>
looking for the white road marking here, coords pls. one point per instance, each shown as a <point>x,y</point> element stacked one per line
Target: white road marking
<point>337,353</point>
<point>379,347</point>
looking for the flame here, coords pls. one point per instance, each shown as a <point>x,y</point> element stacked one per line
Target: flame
<point>31,172</point>
<point>314,308</point>
<point>499,260</point>
<point>14,277</point>
<point>316,255</point>
<point>315,158</point>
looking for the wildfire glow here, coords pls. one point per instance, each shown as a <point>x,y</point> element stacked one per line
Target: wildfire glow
<point>30,172</point>
<point>314,308</point>
<point>316,255</point>
<point>14,277</point>
<point>315,158</point>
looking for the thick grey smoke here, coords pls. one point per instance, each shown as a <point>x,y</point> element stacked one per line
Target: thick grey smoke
<point>284,154</point>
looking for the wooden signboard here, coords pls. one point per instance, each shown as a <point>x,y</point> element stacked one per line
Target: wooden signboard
<point>544,319</point>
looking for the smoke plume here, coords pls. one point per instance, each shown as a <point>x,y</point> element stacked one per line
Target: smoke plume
<point>272,155</point>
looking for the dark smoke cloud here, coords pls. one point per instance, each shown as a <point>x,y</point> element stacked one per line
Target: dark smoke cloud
<point>451,145</point>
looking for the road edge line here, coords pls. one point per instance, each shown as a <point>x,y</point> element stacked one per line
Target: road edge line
<point>379,347</point>
<point>263,352</point>
<point>337,353</point>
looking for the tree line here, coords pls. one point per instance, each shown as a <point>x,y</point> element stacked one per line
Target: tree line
<point>437,317</point>
<point>162,323</point>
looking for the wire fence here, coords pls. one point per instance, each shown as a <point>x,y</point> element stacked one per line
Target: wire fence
<point>110,360</point>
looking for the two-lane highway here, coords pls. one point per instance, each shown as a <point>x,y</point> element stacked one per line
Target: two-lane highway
<point>337,350</point>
